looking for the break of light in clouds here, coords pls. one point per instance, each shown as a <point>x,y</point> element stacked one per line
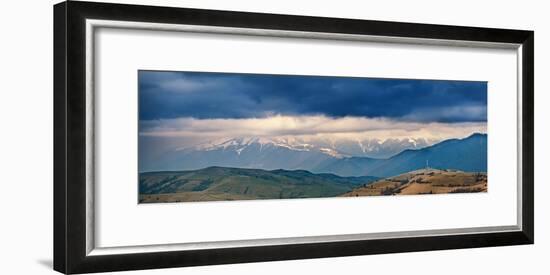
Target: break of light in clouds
<point>304,126</point>
<point>196,106</point>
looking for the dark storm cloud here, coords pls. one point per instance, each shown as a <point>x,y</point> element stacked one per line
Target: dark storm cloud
<point>164,95</point>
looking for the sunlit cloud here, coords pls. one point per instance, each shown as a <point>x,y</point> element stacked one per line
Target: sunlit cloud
<point>304,126</point>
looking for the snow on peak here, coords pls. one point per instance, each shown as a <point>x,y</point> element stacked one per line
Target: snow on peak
<point>338,148</point>
<point>240,143</point>
<point>332,152</point>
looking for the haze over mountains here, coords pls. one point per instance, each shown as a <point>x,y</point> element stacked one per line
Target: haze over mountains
<point>343,158</point>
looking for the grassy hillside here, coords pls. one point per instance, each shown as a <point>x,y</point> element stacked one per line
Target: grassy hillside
<point>219,183</point>
<point>425,181</point>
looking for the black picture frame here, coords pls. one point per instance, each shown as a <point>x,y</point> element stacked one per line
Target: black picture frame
<point>70,254</point>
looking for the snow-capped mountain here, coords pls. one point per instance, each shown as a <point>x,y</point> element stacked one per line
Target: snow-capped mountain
<point>262,153</point>
<point>339,148</point>
<point>261,143</point>
<point>239,144</point>
<point>281,152</point>
<point>376,148</point>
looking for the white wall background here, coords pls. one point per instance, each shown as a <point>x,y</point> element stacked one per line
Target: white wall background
<point>26,149</point>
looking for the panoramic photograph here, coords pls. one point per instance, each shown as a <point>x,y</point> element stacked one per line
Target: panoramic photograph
<point>209,136</point>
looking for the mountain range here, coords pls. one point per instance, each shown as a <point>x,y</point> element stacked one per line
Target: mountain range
<point>345,158</point>
<point>468,154</point>
<point>341,147</point>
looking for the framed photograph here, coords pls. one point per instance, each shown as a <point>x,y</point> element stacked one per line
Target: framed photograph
<point>189,137</point>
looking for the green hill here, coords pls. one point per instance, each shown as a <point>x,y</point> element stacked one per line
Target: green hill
<point>220,183</point>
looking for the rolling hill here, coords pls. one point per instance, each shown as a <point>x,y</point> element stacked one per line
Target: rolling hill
<point>424,181</point>
<point>220,183</point>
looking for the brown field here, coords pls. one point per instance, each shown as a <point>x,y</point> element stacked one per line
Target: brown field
<point>425,181</point>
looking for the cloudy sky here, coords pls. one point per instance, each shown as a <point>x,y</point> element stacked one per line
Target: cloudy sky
<point>185,108</point>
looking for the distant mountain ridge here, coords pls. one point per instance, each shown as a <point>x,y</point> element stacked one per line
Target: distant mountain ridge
<point>374,148</point>
<point>344,159</point>
<point>468,154</point>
